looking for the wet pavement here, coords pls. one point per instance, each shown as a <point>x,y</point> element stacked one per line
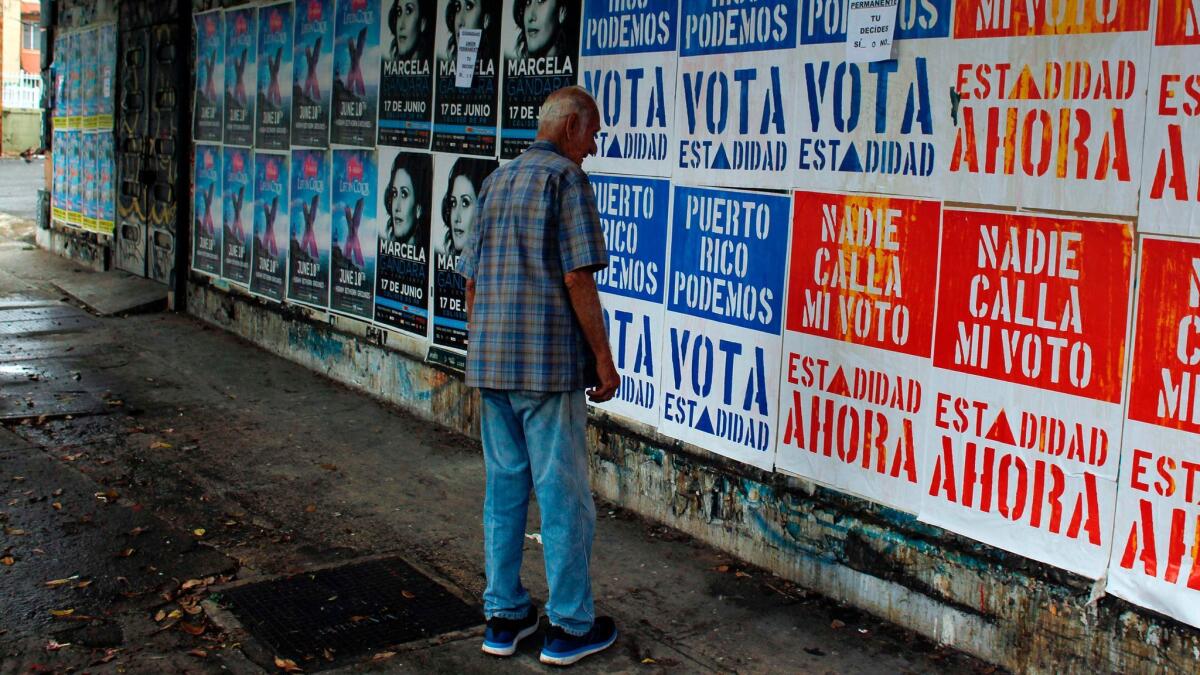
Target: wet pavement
<point>148,462</point>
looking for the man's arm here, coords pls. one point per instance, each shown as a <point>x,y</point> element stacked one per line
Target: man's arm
<point>581,287</point>
<point>470,298</point>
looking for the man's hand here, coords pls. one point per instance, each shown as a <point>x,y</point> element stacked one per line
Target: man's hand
<point>610,379</point>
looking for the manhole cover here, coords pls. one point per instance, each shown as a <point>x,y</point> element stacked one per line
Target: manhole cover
<point>347,611</point>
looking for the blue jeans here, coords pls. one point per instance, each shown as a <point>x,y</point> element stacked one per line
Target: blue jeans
<point>538,440</point>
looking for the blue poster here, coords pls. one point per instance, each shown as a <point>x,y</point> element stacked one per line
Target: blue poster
<point>206,210</point>
<point>628,64</point>
<point>309,238</point>
<point>241,28</point>
<point>106,65</point>
<point>405,210</point>
<point>237,196</point>
<point>88,43</point>
<point>208,116</point>
<point>635,214</point>
<point>74,149</point>
<point>871,126</point>
<point>89,207</point>
<point>736,94</point>
<point>273,129</point>
<point>59,206</point>
<point>406,73</point>
<point>355,73</point>
<point>106,197</point>
<point>312,73</point>
<point>724,321</point>
<point>268,274</point>
<point>354,232</point>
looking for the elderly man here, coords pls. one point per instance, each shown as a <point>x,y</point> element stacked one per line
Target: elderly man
<point>537,342</point>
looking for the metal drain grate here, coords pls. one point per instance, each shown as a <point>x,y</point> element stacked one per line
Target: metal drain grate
<point>348,610</point>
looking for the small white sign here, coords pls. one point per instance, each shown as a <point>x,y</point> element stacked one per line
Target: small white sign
<point>468,50</point>
<point>870,29</point>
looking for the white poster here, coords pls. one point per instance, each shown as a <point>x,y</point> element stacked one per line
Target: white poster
<point>857,368</point>
<point>1156,548</point>
<point>1171,166</point>
<point>635,213</point>
<point>1029,348</point>
<point>724,321</point>
<point>871,31</point>
<point>1047,107</point>
<point>736,94</point>
<point>628,64</point>
<point>874,127</point>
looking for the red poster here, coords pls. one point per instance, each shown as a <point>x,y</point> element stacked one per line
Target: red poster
<point>1018,18</point>
<point>1019,301</point>
<point>864,270</point>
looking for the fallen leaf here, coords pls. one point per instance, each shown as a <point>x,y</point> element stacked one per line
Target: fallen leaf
<point>57,506</point>
<point>84,584</point>
<point>741,575</point>
<point>408,595</point>
<point>54,645</point>
<point>356,618</point>
<point>191,628</point>
<point>287,665</point>
<point>57,493</point>
<point>193,609</point>
<point>109,655</point>
<point>160,615</point>
<point>62,612</point>
<point>836,624</point>
<point>648,660</point>
<point>7,561</point>
<point>327,653</point>
<point>18,479</point>
<point>160,445</point>
<point>191,583</point>
<point>15,532</point>
<point>722,568</point>
<point>383,656</point>
<point>137,531</point>
<point>199,531</point>
<point>175,614</point>
<point>55,583</point>
<point>126,553</point>
<point>311,508</point>
<point>198,653</point>
<point>329,467</point>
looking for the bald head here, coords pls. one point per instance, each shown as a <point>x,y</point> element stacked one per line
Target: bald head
<point>558,109</point>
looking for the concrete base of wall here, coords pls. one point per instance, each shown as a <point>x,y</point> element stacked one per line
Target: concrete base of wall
<point>1009,610</point>
<point>86,248</point>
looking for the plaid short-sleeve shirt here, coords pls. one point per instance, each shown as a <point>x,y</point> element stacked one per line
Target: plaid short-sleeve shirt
<point>536,221</point>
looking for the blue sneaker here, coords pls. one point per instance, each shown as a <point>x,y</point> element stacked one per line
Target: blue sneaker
<point>563,649</point>
<point>502,635</point>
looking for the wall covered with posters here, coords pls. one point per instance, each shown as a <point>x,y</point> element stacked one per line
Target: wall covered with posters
<point>909,280</point>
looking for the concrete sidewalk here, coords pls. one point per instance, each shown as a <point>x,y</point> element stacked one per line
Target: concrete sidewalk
<point>268,465</point>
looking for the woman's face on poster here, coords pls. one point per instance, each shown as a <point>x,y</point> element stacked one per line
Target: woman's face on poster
<point>462,212</point>
<point>470,14</point>
<point>405,209</point>
<point>541,25</point>
<point>408,26</point>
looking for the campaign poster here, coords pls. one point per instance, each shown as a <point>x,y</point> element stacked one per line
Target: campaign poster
<point>724,321</point>
<point>541,56</point>
<point>635,213</point>
<point>405,211</point>
<point>209,114</point>
<point>737,93</point>
<point>354,232</point>
<point>106,172</point>
<point>74,147</point>
<point>858,343</point>
<point>355,73</point>
<point>627,63</point>
<point>1156,552</point>
<point>310,231</point>
<point>269,257</point>
<point>406,73</point>
<point>1170,194</point>
<point>1047,105</point>
<point>106,65</point>
<point>241,71</point>
<point>465,119</point>
<point>88,208</point>
<point>206,210</point>
<point>237,204</point>
<point>871,126</point>
<point>273,128</point>
<point>1029,350</point>
<point>456,182</point>
<point>312,73</point>
<point>58,210</point>
<point>75,105</point>
<point>87,78</point>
